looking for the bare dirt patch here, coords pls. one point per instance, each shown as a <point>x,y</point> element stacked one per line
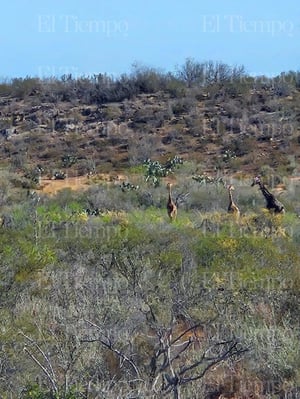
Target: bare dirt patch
<point>51,187</point>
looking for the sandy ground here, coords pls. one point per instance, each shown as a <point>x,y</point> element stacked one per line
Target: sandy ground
<point>51,187</point>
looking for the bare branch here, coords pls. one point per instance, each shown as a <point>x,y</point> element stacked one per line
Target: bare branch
<point>182,350</point>
<point>109,345</point>
<point>50,374</point>
<point>186,332</point>
<point>232,350</point>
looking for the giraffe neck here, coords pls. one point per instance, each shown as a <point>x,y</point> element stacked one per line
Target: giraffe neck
<point>170,195</point>
<point>266,193</point>
<point>230,198</point>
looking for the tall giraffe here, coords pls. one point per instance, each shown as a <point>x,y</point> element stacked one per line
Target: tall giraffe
<point>272,204</point>
<point>171,207</point>
<point>232,207</point>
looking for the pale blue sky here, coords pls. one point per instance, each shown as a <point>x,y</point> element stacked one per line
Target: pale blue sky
<point>46,38</point>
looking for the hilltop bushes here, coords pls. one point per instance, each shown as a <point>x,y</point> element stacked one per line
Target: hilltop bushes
<point>218,77</point>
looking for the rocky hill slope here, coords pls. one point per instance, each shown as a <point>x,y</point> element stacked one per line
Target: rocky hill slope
<point>251,129</point>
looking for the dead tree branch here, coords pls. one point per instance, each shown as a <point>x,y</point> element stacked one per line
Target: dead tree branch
<point>107,343</point>
<point>229,349</point>
<point>47,370</point>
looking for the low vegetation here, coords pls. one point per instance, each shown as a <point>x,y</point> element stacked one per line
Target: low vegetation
<point>124,303</point>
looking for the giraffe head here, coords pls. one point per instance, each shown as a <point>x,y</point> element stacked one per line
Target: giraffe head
<point>169,185</point>
<point>256,180</point>
<point>230,187</point>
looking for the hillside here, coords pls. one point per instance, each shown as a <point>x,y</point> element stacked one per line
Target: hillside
<point>239,126</point>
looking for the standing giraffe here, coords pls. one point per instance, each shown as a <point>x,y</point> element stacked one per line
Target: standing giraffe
<point>171,207</point>
<point>232,207</point>
<point>272,203</point>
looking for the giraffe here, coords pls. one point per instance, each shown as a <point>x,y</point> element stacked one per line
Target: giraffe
<point>171,207</point>
<point>272,204</point>
<point>232,207</point>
